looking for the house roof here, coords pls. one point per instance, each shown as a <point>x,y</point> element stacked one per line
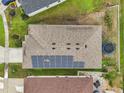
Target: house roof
<point>31,6</point>
<point>58,85</point>
<point>84,43</point>
<point>6,2</point>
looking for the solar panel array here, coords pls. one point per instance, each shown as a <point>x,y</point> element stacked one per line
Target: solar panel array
<point>30,6</point>
<point>55,62</point>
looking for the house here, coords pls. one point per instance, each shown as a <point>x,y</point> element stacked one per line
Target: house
<point>32,7</point>
<point>58,84</point>
<point>63,46</point>
<point>6,2</point>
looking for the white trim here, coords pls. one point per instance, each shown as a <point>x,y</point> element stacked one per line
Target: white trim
<point>59,76</point>
<point>45,8</point>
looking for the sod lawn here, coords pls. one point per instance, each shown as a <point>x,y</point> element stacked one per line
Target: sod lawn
<point>122,38</point>
<point>16,71</point>
<point>122,35</point>
<point>2,34</point>
<point>1,70</point>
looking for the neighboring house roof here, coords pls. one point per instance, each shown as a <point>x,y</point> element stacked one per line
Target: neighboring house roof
<point>32,7</point>
<point>63,46</point>
<point>58,85</point>
<point>6,2</point>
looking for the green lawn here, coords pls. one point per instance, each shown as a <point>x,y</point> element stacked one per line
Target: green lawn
<point>122,38</point>
<point>1,70</point>
<point>17,28</point>
<point>2,34</point>
<point>16,71</point>
<point>122,35</point>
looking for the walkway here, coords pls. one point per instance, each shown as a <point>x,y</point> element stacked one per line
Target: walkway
<point>1,54</point>
<point>6,54</point>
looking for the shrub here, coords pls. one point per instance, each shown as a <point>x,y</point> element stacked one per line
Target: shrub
<point>12,13</point>
<point>15,36</point>
<point>111,76</point>
<point>24,16</point>
<point>108,19</point>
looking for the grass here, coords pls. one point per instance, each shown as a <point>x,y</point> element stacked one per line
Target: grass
<point>1,70</point>
<point>16,71</point>
<point>61,14</point>
<point>122,35</point>
<point>17,27</point>
<point>122,38</point>
<point>2,33</point>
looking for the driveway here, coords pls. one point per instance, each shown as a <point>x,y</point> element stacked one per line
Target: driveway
<point>15,55</point>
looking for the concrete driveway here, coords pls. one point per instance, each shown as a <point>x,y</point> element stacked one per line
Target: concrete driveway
<point>15,55</point>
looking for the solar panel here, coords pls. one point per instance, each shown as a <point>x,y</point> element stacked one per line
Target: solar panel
<point>40,60</point>
<point>34,61</point>
<point>52,61</point>
<point>62,61</point>
<point>58,61</point>
<point>30,6</point>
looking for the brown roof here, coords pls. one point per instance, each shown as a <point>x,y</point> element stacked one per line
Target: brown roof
<point>58,85</point>
<point>40,39</point>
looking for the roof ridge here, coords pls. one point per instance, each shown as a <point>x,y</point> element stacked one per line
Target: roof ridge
<point>35,40</point>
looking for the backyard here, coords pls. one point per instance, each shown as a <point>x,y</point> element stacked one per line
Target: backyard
<point>16,71</point>
<point>122,38</point>
<point>2,34</point>
<point>66,13</point>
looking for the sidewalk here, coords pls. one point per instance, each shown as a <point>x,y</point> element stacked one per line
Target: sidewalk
<point>1,54</point>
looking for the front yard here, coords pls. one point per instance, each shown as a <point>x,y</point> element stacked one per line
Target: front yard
<point>17,28</point>
<point>2,33</point>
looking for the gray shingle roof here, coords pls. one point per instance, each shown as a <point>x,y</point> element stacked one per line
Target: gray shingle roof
<point>30,6</point>
<point>85,43</point>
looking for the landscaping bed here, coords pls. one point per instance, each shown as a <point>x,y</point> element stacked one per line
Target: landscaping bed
<point>17,27</point>
<point>2,33</point>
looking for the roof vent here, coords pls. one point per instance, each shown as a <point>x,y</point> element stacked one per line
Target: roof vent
<point>85,46</point>
<point>53,43</point>
<point>68,48</point>
<point>53,48</point>
<point>68,43</point>
<point>77,44</point>
<point>77,48</point>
